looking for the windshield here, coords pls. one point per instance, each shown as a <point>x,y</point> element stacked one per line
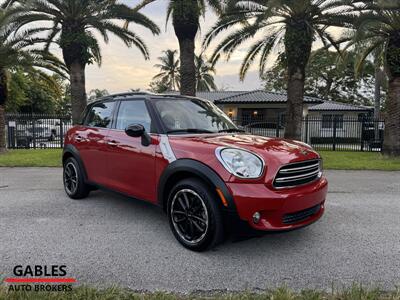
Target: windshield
<point>192,115</point>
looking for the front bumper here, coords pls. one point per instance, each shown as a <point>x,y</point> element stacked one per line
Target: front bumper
<point>278,206</point>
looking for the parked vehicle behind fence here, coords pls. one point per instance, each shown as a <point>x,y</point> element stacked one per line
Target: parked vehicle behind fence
<point>36,131</point>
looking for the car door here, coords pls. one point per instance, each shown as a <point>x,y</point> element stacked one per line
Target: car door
<point>91,138</point>
<point>131,166</point>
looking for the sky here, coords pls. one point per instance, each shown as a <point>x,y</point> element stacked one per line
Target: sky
<point>124,68</point>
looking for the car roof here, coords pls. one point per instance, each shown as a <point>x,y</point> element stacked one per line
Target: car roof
<point>147,95</point>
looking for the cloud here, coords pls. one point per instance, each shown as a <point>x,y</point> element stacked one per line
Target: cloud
<point>125,68</point>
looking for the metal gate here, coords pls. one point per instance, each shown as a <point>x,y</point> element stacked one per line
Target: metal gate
<point>34,131</point>
<point>335,133</point>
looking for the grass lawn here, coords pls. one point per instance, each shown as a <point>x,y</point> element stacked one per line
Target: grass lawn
<point>334,160</point>
<point>83,293</point>
<point>31,158</point>
<point>338,160</point>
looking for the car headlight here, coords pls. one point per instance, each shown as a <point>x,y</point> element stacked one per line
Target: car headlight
<point>240,163</point>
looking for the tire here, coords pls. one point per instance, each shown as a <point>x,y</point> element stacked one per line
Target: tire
<point>80,189</point>
<point>202,227</point>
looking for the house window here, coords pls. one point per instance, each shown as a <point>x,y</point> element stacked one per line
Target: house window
<point>328,120</point>
<point>282,119</point>
<point>251,115</point>
<point>362,117</point>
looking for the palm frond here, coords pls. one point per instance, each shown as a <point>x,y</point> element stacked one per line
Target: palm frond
<point>74,24</point>
<point>269,18</point>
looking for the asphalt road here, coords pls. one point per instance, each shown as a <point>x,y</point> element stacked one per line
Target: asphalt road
<point>108,239</point>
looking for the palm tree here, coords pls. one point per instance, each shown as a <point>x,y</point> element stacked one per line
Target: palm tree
<point>289,24</point>
<point>185,19</point>
<point>16,53</point>
<point>169,69</point>
<point>378,27</point>
<point>71,24</point>
<point>204,78</point>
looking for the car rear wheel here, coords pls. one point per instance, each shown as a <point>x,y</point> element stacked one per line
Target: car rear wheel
<point>74,183</point>
<point>194,216</point>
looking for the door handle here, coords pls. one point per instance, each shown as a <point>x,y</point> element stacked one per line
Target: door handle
<point>112,143</point>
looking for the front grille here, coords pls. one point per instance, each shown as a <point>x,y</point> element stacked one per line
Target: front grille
<point>300,215</point>
<point>299,173</point>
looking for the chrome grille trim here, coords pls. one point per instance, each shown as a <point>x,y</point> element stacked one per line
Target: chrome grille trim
<point>291,178</point>
<point>297,174</point>
<point>294,170</point>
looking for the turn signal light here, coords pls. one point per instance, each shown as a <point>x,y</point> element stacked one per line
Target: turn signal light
<point>221,195</point>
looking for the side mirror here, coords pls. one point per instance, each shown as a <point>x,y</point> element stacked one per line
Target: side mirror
<point>137,130</point>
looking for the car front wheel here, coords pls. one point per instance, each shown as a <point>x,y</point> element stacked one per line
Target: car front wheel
<point>74,183</point>
<point>194,216</point>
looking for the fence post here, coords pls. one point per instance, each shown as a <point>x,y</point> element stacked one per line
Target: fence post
<point>334,133</point>
<point>306,129</point>
<point>61,134</point>
<point>381,123</point>
<point>362,133</point>
<point>11,131</point>
<point>278,124</point>
<point>34,132</point>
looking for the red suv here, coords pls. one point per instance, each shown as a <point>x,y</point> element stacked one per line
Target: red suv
<point>185,155</point>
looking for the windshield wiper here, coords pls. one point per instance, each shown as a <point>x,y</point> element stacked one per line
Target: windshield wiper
<point>232,130</point>
<point>190,130</point>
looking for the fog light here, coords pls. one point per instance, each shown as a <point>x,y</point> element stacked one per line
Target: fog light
<point>256,217</point>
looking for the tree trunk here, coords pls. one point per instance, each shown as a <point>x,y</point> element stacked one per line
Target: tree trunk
<point>185,18</point>
<point>294,109</point>
<point>298,42</point>
<point>78,91</point>
<point>391,144</point>
<point>187,69</point>
<point>3,99</point>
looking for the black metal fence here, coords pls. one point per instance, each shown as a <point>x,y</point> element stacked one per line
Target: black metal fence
<point>33,131</point>
<point>329,132</point>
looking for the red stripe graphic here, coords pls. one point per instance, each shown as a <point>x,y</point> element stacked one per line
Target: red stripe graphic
<point>40,280</point>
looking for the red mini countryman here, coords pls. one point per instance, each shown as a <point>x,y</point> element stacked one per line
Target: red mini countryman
<point>185,155</point>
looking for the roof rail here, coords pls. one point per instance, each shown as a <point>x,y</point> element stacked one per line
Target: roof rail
<point>174,96</point>
<point>129,94</point>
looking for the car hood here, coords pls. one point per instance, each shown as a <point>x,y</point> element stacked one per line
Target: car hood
<point>281,151</point>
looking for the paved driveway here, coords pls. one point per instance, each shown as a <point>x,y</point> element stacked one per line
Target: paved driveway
<point>108,239</point>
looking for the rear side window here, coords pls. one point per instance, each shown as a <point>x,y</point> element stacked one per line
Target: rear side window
<point>100,115</point>
<point>133,112</point>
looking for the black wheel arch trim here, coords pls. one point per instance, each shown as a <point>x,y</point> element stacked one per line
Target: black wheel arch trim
<point>71,150</point>
<point>198,169</point>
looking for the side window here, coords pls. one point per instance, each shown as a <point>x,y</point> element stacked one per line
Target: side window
<point>327,121</point>
<point>100,115</point>
<point>133,112</point>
